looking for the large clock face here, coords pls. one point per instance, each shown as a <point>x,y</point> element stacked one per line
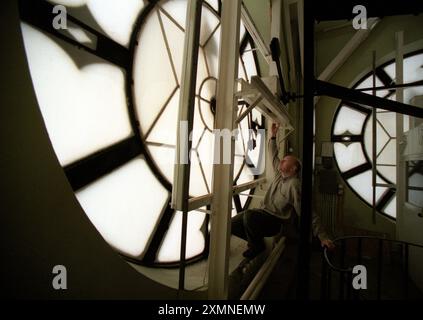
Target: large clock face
<point>108,89</point>
<point>352,136</point>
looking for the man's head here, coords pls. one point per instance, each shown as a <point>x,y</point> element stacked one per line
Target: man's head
<point>289,166</point>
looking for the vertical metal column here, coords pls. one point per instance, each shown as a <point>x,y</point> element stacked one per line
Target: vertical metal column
<point>275,32</point>
<point>374,141</point>
<point>401,170</point>
<point>223,173</point>
<point>180,192</point>
<point>307,171</point>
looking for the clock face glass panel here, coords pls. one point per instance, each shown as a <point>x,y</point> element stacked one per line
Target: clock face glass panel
<point>352,136</point>
<point>108,88</point>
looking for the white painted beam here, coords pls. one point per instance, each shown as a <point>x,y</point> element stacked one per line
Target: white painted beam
<point>347,50</point>
<point>222,182</point>
<point>186,107</point>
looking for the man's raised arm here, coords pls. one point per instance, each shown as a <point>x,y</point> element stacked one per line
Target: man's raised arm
<point>273,149</point>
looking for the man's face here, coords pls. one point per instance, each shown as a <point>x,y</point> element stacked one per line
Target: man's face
<point>288,166</point>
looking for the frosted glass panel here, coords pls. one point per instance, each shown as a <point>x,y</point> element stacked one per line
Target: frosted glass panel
<point>202,70</point>
<point>84,109</point>
<point>205,151</point>
<point>238,166</point>
<point>197,183</point>
<point>249,63</point>
<point>349,156</point>
<point>389,172</point>
<point>245,176</point>
<point>243,199</point>
<point>257,117</point>
<point>69,3</point>
<point>175,38</point>
<point>391,208</point>
<point>416,196</point>
<point>212,53</point>
<point>164,157</point>
<point>362,184</point>
<point>389,154</point>
<point>198,128</point>
<point>74,32</point>
<point>115,18</point>
<point>241,31</point>
<point>368,83</point>
<point>153,82</point>
<point>349,119</point>
<point>121,207</point>
<point>242,73</point>
<point>177,10</point>
<point>388,121</point>
<point>214,4</point>
<point>207,92</point>
<point>171,247</point>
<point>256,155</point>
<point>382,138</point>
<point>413,71</point>
<point>209,22</point>
<point>164,130</point>
<point>410,93</point>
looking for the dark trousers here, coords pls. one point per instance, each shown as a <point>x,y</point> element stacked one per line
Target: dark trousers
<point>255,224</point>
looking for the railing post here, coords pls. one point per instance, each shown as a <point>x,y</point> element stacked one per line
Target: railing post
<point>406,270</point>
<point>349,284</point>
<point>379,268</point>
<point>359,260</point>
<point>341,275</point>
<point>324,279</point>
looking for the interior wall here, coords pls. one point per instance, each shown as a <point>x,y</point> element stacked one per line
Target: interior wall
<point>382,39</point>
<point>41,220</point>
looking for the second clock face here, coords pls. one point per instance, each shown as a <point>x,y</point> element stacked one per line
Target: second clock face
<point>353,138</point>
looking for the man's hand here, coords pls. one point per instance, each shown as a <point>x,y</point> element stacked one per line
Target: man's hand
<point>328,243</point>
<point>275,128</point>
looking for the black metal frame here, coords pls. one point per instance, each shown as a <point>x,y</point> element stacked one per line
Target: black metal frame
<point>303,275</point>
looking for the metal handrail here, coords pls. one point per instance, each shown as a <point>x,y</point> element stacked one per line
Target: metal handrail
<point>325,250</point>
<point>348,270</point>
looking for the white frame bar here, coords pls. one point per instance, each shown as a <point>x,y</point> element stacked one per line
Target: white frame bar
<point>269,105</point>
<point>255,34</point>
<point>186,105</point>
<point>226,111</point>
<point>201,201</point>
<point>256,285</point>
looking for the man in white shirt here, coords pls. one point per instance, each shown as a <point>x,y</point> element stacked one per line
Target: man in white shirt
<point>282,199</point>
